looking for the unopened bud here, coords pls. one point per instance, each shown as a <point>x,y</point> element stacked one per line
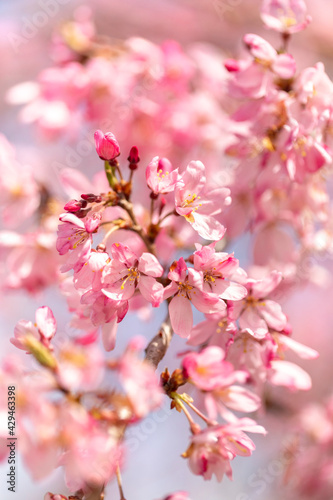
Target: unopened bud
<point>73,206</point>
<point>231,65</point>
<point>91,198</point>
<point>107,146</point>
<point>133,158</point>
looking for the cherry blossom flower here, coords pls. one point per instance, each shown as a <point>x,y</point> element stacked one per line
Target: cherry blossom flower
<point>43,330</point>
<point>127,271</point>
<point>217,329</point>
<point>216,267</point>
<point>283,65</point>
<point>212,449</point>
<point>105,312</point>
<point>208,369</point>
<point>91,455</point>
<point>257,312</point>
<point>139,380</point>
<point>107,146</point>
<point>187,288</point>
<point>160,176</point>
<point>80,368</point>
<point>76,235</point>
<point>32,262</point>
<point>212,374</point>
<point>20,196</point>
<point>285,16</point>
<point>197,204</point>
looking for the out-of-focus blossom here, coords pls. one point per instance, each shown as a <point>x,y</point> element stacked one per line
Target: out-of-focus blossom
<point>285,16</point>
<point>212,449</point>
<point>44,329</point>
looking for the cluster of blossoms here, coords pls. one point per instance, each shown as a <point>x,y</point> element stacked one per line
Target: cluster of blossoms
<point>67,414</point>
<point>282,143</point>
<point>311,470</point>
<point>122,254</point>
<point>241,341</point>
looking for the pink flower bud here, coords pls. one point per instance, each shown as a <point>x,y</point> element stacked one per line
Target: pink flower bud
<point>73,206</point>
<point>90,197</point>
<point>134,157</point>
<point>107,146</point>
<point>231,65</point>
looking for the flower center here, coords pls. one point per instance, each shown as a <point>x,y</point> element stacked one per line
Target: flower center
<point>190,199</point>
<point>132,276</point>
<point>185,289</point>
<point>161,175</point>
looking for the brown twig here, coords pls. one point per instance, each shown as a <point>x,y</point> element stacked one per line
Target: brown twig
<point>126,205</point>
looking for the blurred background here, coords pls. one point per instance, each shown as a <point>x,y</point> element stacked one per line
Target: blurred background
<point>154,466</point>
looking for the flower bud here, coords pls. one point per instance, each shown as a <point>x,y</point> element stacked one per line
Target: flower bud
<point>133,158</point>
<point>73,206</point>
<point>90,197</point>
<point>107,146</point>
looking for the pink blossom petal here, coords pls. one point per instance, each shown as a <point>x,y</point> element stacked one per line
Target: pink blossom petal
<point>251,321</point>
<point>284,66</point>
<point>181,316</point>
<point>240,399</point>
<point>46,322</point>
<point>272,313</point>
<point>149,265</point>
<point>302,350</point>
<point>289,375</point>
<point>151,290</point>
<point>207,227</point>
<point>109,332</point>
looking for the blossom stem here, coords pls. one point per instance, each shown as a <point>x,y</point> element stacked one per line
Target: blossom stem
<point>112,230</point>
<point>120,486</point>
<point>152,202</point>
<point>195,428</point>
<point>285,41</point>
<point>110,174</point>
<point>131,176</point>
<point>198,412</point>
<point>166,215</point>
<point>136,227</point>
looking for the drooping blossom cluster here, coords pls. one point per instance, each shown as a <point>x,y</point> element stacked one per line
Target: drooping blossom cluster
<point>158,233</point>
<point>282,147</point>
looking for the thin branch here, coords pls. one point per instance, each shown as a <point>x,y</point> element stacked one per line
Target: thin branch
<point>136,226</point>
<point>120,486</point>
